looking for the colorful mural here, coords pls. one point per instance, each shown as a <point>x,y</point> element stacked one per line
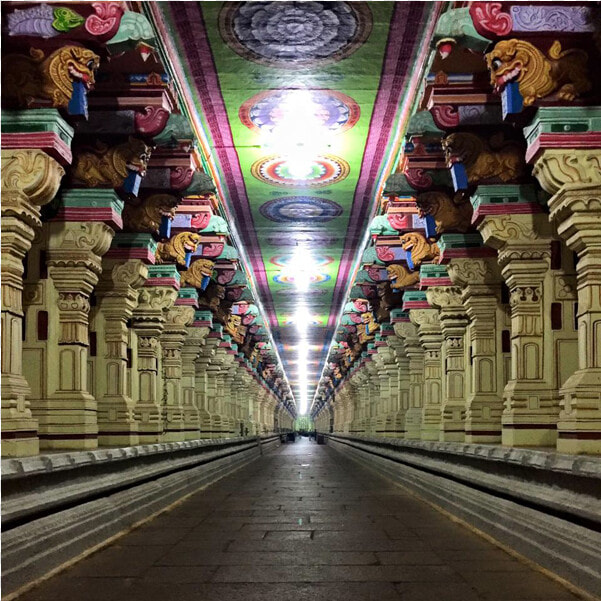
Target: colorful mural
<point>289,97</point>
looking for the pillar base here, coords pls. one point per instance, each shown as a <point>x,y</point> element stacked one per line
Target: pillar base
<point>483,420</point>
<point>452,428</point>
<point>528,434</point>
<point>579,426</point>
<point>114,438</point>
<point>150,437</point>
<point>15,443</point>
<point>192,433</point>
<point>413,424</point>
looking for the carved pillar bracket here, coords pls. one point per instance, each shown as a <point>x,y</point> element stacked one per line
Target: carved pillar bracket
<point>30,179</point>
<point>574,179</point>
<point>453,321</point>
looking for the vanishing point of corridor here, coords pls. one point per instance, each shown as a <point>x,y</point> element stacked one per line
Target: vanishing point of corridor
<point>302,522</point>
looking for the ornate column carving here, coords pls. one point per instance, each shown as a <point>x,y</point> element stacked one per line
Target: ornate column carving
<point>30,179</point>
<point>480,280</point>
<point>523,242</point>
<point>148,323</point>
<point>453,322</point>
<point>574,179</point>
<point>192,381</point>
<point>68,414</point>
<point>373,394</point>
<point>207,352</point>
<point>430,337</point>
<point>407,332</point>
<point>117,294</point>
<point>403,380</point>
<point>172,341</point>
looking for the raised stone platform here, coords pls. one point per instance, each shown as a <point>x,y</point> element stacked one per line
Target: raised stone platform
<point>544,505</point>
<point>59,505</point>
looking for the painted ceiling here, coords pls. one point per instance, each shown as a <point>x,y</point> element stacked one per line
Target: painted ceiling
<point>300,107</point>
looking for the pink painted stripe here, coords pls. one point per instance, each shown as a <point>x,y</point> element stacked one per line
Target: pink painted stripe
<point>49,142</point>
<point>172,282</point>
<point>188,302</point>
<point>109,216</point>
<point>132,253</point>
<point>425,282</point>
<point>590,139</point>
<point>466,253</point>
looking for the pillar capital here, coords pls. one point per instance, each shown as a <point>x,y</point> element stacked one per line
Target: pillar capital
<point>30,179</point>
<point>559,167</point>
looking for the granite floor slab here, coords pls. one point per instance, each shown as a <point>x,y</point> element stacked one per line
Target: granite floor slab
<point>302,522</point>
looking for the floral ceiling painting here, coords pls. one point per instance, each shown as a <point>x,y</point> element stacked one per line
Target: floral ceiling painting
<point>302,105</point>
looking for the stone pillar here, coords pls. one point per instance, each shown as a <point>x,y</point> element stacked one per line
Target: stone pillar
<point>68,415</point>
<point>148,323</point>
<point>407,332</point>
<point>172,339</point>
<point>373,394</point>
<point>430,337</point>
<point>453,322</point>
<point>117,295</point>
<point>480,281</point>
<point>523,241</point>
<point>403,383</point>
<point>574,179</point>
<point>30,179</point>
<point>201,384</point>
<point>192,386</point>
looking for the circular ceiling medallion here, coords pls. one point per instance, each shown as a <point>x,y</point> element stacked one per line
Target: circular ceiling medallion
<point>292,294</point>
<point>316,260</point>
<point>314,239</point>
<point>333,111</point>
<point>295,34</point>
<point>314,278</point>
<point>315,173</point>
<point>300,209</point>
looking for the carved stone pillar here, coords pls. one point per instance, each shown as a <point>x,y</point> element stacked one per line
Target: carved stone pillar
<point>172,342</point>
<point>148,323</point>
<point>373,394</point>
<point>201,383</point>
<point>480,280</point>
<point>453,322</point>
<point>430,337</point>
<point>191,384</point>
<point>574,179</point>
<point>117,295</point>
<point>403,379</point>
<point>30,179</point>
<point>523,241</point>
<point>68,414</point>
<point>407,332</point>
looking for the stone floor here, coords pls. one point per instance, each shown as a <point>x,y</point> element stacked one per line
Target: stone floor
<point>301,523</point>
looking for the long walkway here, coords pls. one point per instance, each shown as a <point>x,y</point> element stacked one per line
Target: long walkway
<point>301,523</point>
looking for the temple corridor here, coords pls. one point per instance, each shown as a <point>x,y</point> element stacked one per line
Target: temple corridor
<point>228,224</point>
<point>302,522</point>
